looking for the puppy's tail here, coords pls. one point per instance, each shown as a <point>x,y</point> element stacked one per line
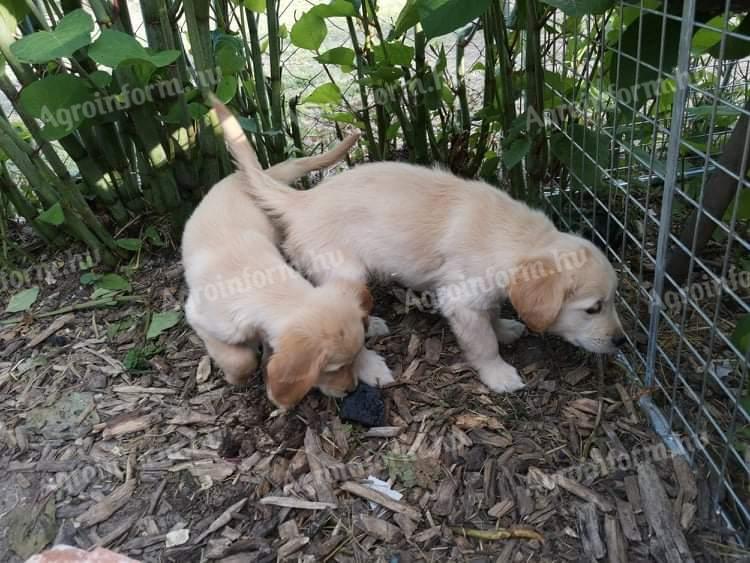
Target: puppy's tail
<point>269,193</point>
<point>288,171</point>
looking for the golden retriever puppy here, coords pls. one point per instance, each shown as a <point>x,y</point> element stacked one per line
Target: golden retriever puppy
<point>467,242</point>
<point>242,292</point>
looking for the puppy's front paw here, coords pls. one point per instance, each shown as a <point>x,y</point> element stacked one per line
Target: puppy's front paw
<point>377,327</point>
<point>508,330</point>
<point>501,377</point>
<point>371,368</point>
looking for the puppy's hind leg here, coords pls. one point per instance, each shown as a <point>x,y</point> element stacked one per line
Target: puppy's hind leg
<point>478,340</point>
<point>239,361</point>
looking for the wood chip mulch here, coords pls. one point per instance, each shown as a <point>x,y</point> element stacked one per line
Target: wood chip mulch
<point>163,461</point>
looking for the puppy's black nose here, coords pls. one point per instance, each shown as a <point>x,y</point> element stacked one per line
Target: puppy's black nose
<point>620,340</point>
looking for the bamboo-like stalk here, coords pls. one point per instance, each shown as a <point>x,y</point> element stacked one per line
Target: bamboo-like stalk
<point>421,112</point>
<point>296,135</point>
<point>199,34</point>
<point>364,114</point>
<point>274,53</point>
<point>51,191</point>
<point>22,206</point>
<point>261,93</point>
<point>536,160</point>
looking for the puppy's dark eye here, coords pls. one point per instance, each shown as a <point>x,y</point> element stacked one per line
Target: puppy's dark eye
<point>595,309</point>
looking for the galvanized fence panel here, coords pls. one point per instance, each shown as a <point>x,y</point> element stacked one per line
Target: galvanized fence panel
<point>649,125</point>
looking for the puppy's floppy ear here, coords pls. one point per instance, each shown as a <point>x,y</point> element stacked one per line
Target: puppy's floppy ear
<point>365,300</point>
<point>294,369</point>
<point>537,292</point>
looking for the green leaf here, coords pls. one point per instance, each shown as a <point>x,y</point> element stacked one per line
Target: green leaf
<point>638,40</point>
<point>516,152</point>
<point>72,33</point>
<point>309,31</point>
<point>53,216</point>
<point>229,59</point>
<point>408,18</point>
<point>89,277</point>
<point>11,12</point>
<point>114,48</point>
<point>226,89</point>
<point>581,7</point>
<point>153,236</point>
<point>392,131</point>
<point>585,156</point>
<point>439,17</point>
<point>325,94</point>
<point>395,53</point>
<point>161,322</point>
<point>58,100</point>
<point>23,300</point>
<point>337,56</point>
<point>113,282</point>
<point>258,6</point>
<point>734,47</point>
<point>337,8</point>
<point>344,117</point>
<point>741,334</point>
<point>743,204</point>
<point>132,244</point>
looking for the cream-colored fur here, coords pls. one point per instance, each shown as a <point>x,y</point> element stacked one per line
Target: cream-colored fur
<point>242,292</point>
<point>429,230</point>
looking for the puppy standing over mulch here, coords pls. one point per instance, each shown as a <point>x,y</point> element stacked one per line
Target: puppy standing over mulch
<point>242,291</point>
<point>468,243</point>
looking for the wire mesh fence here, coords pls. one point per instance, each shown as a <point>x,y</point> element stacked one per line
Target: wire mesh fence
<point>649,114</point>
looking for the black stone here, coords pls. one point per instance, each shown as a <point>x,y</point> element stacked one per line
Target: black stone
<point>365,406</point>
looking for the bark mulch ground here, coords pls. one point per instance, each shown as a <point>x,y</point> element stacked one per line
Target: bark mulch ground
<point>109,438</point>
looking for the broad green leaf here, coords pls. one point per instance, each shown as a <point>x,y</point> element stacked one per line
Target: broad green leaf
<point>395,53</point>
<point>743,204</point>
<point>132,244</point>
<point>11,12</point>
<point>161,322</point>
<point>23,300</point>
<point>337,56</point>
<point>337,8</point>
<point>72,33</point>
<point>344,117</point>
<point>309,31</point>
<point>114,48</point>
<point>90,277</point>
<point>58,100</point>
<point>103,293</point>
<point>623,70</point>
<point>226,89</point>
<point>229,59</point>
<point>741,334</point>
<point>53,216</point>
<point>439,17</point>
<point>581,7</point>
<point>258,6</point>
<point>325,94</point>
<point>408,18</point>
<point>516,152</point>
<point>734,47</point>
<point>583,152</point>
<point>197,110</point>
<point>113,282</point>
<point>707,36</point>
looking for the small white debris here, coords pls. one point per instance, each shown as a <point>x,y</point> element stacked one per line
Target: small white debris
<point>383,488</point>
<point>177,537</point>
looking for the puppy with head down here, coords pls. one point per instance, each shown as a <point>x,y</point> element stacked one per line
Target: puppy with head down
<point>466,242</point>
<point>242,292</point>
